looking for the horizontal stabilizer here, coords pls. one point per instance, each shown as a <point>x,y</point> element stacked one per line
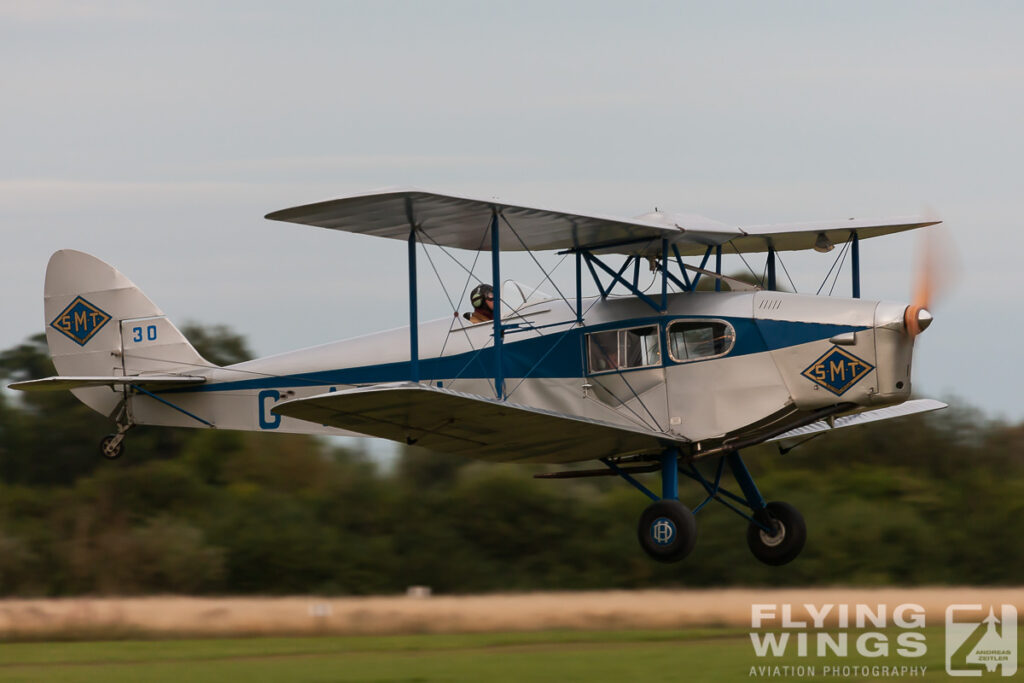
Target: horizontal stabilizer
<point>922,405</point>
<point>144,381</point>
<point>470,425</point>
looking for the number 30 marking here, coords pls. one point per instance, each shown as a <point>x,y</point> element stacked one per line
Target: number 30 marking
<point>150,333</point>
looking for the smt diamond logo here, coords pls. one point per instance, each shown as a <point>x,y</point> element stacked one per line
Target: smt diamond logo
<point>837,370</point>
<point>977,644</point>
<point>80,321</point>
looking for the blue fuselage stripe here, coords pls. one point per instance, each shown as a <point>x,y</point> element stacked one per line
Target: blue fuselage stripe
<point>561,355</point>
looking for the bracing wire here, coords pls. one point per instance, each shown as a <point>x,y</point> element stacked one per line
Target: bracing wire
<point>472,275</point>
<point>834,263</point>
<point>536,262</point>
<point>839,269</point>
<point>640,418</point>
<point>752,273</point>
<point>469,279</point>
<point>444,289</point>
<point>618,371</point>
<point>786,271</point>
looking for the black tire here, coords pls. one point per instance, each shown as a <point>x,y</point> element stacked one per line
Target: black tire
<point>111,455</point>
<point>783,547</point>
<point>667,531</point>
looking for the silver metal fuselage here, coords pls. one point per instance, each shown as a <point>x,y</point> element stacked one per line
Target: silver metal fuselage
<point>783,343</point>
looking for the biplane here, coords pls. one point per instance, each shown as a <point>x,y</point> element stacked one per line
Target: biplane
<point>640,377</point>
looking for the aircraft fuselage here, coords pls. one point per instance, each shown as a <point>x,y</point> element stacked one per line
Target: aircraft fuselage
<point>715,364</point>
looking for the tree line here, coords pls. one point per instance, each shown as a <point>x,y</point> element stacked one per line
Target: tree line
<point>931,499</point>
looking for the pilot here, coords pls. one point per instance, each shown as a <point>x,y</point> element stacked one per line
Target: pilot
<point>482,298</point>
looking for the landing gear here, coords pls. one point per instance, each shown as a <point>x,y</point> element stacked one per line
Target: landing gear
<point>785,544</point>
<point>667,531</point>
<point>112,446</point>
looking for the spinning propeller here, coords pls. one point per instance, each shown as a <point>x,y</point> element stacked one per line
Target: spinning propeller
<point>927,284</point>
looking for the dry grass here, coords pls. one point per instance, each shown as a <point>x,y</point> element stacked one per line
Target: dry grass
<point>654,609</point>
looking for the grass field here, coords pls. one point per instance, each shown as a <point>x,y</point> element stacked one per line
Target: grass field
<point>710,654</point>
<point>97,618</point>
<point>597,636</point>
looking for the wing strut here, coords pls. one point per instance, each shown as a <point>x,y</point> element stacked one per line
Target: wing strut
<point>855,264</point>
<point>414,329</point>
<point>499,366</point>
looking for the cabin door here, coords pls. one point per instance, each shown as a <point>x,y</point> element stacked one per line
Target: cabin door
<point>625,379</point>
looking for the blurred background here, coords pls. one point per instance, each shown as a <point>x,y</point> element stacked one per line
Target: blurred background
<point>933,499</point>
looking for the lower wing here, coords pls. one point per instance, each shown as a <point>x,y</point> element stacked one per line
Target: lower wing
<point>475,426</point>
<point>922,405</point>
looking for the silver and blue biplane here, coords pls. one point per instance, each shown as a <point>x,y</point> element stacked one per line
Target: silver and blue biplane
<point>640,379</point>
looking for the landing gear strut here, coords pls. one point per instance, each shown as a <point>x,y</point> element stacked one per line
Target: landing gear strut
<point>112,445</point>
<point>668,530</point>
<point>777,531</point>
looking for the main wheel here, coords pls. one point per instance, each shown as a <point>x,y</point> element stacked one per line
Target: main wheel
<point>788,540</point>
<point>112,452</point>
<point>667,531</point>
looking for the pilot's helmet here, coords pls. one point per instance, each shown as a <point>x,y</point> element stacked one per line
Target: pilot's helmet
<point>480,294</point>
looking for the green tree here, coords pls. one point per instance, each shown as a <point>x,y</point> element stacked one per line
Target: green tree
<point>217,343</point>
<point>49,437</point>
<point>928,499</point>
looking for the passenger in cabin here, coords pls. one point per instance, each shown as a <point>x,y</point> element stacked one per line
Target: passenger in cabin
<point>482,299</point>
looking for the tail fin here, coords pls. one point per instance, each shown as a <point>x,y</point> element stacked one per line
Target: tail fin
<point>99,323</point>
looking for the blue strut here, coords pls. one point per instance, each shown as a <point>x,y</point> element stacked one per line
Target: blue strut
<point>855,264</point>
<point>414,323</point>
<point>499,366</point>
<point>754,498</point>
<point>670,474</point>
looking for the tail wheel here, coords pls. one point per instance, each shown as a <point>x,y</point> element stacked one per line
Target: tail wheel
<point>112,446</point>
<point>667,531</point>
<point>788,540</point>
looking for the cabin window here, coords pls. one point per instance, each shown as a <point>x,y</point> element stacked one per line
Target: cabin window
<point>696,339</point>
<point>637,347</point>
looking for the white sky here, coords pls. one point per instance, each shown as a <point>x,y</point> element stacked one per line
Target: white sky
<point>157,135</point>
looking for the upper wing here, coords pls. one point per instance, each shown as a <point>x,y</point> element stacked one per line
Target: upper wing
<point>922,405</point>
<point>795,236</point>
<point>462,222</point>
<point>452,422</point>
<point>148,381</point>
